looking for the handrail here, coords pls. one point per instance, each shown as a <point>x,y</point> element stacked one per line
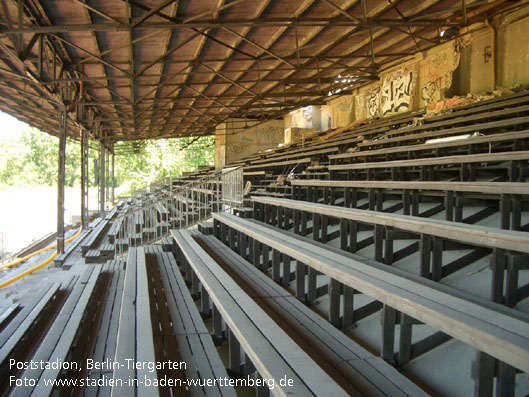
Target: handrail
<point>176,208</point>
<point>40,265</point>
<point>25,258</point>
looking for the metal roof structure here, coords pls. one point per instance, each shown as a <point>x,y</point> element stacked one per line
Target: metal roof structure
<point>173,68</point>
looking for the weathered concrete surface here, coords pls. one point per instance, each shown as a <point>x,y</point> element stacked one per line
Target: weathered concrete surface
<point>237,138</point>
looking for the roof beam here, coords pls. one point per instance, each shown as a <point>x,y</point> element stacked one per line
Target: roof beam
<point>341,11</point>
<point>94,56</point>
<point>249,23</point>
<point>259,47</point>
<point>96,11</point>
<point>150,13</point>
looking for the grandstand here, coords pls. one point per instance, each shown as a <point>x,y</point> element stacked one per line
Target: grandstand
<point>364,230</point>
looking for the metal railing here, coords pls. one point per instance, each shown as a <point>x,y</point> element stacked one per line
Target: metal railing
<point>232,186</point>
<point>150,218</point>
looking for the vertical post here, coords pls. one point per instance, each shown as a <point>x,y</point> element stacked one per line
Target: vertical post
<point>498,268</point>
<point>348,306</point>
<point>483,374</point>
<point>406,324</point>
<point>60,182</point>
<point>113,177</point>
<point>234,351</point>
<point>84,179</point>
<point>300,280</point>
<point>217,325</point>
<point>388,333</point>
<point>335,291</point>
<point>464,11</point>
<point>107,175</point>
<point>102,178</point>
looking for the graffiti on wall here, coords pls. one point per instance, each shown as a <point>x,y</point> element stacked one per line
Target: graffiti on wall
<point>430,92</point>
<point>373,102</point>
<point>268,134</point>
<point>302,118</point>
<point>240,148</point>
<point>436,73</point>
<point>396,91</point>
<point>360,107</point>
<point>344,106</point>
<point>342,110</point>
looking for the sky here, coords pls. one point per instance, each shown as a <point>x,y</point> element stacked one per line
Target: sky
<point>10,127</point>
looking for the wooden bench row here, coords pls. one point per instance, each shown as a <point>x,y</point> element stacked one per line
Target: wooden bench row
<point>463,120</point>
<point>507,249</point>
<point>509,199</point>
<point>503,101</point>
<point>268,349</point>
<point>359,371</point>
<point>194,343</point>
<point>511,166</point>
<point>471,234</point>
<point>472,144</point>
<point>59,342</point>
<point>499,332</point>
<point>498,126</point>
<point>95,236</point>
<point>290,155</point>
<point>22,328</point>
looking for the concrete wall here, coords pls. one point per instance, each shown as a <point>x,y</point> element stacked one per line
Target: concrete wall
<point>512,56</point>
<point>341,111</point>
<point>236,139</point>
<point>295,134</point>
<point>220,146</point>
<point>436,73</point>
<point>475,70</point>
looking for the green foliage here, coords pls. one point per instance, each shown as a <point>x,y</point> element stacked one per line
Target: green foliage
<point>140,163</point>
<point>12,161</point>
<point>41,160</point>
<point>32,159</point>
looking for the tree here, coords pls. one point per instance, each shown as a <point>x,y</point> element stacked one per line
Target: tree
<point>33,160</point>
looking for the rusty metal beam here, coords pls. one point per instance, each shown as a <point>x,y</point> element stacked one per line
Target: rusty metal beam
<point>63,125</point>
<point>342,11</point>
<point>251,23</point>
<point>150,13</point>
<point>260,47</point>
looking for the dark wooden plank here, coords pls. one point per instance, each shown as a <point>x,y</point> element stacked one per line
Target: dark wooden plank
<point>258,334</point>
<point>344,352</point>
<point>446,160</point>
<point>66,340</point>
<point>472,234</point>
<point>460,318</point>
<point>49,343</point>
<point>106,338</point>
<point>194,341</point>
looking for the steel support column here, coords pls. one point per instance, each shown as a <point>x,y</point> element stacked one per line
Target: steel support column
<point>113,177</point>
<point>84,179</point>
<point>102,178</point>
<point>107,176</point>
<point>60,182</point>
